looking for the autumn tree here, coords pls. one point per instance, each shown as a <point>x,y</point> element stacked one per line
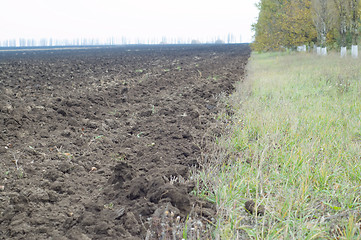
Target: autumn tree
<point>323,17</point>
<point>342,9</point>
<point>348,23</point>
<point>268,34</point>
<point>283,24</point>
<point>297,24</point>
<point>289,23</point>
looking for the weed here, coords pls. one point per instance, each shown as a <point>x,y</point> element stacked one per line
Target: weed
<point>145,77</point>
<point>214,78</point>
<point>153,109</point>
<point>113,112</point>
<point>98,137</point>
<point>65,154</point>
<point>20,173</point>
<point>109,206</point>
<point>16,160</point>
<point>151,145</point>
<point>118,157</point>
<point>200,73</point>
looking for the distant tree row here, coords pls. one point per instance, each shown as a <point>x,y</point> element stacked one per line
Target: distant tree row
<point>48,42</point>
<point>24,42</point>
<point>286,24</point>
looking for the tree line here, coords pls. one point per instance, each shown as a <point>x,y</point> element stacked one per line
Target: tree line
<point>284,24</point>
<point>122,40</point>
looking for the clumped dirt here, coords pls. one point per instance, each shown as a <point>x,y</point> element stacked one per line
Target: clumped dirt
<point>95,143</point>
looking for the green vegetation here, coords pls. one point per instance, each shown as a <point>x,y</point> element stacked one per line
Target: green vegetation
<point>109,206</point>
<point>118,157</point>
<point>214,78</point>
<point>294,147</point>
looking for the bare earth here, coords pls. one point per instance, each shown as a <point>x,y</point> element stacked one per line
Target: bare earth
<point>95,143</point>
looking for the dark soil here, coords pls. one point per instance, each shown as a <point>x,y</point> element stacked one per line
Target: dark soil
<point>95,143</point>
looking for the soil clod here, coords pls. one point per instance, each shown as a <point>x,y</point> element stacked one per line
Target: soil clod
<point>251,207</point>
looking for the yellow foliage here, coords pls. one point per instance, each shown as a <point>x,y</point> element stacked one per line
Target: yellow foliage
<point>282,24</point>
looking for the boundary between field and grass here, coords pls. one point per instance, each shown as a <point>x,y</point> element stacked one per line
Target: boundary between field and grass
<point>291,153</point>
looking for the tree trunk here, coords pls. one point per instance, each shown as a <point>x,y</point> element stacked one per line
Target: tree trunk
<point>354,26</point>
<point>324,51</point>
<point>343,51</point>
<point>323,40</point>
<point>354,51</point>
<point>343,31</point>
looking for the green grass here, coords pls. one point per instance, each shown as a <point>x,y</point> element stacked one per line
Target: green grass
<point>294,147</point>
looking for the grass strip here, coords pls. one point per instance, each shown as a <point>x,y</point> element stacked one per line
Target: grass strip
<point>294,147</point>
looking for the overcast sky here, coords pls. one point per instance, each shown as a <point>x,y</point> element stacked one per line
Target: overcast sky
<point>202,19</point>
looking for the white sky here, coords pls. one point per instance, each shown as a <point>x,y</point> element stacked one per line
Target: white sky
<point>202,19</point>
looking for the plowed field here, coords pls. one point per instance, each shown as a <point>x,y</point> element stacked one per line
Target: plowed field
<point>97,143</point>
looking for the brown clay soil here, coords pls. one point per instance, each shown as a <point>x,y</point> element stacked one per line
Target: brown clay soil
<point>96,143</point>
